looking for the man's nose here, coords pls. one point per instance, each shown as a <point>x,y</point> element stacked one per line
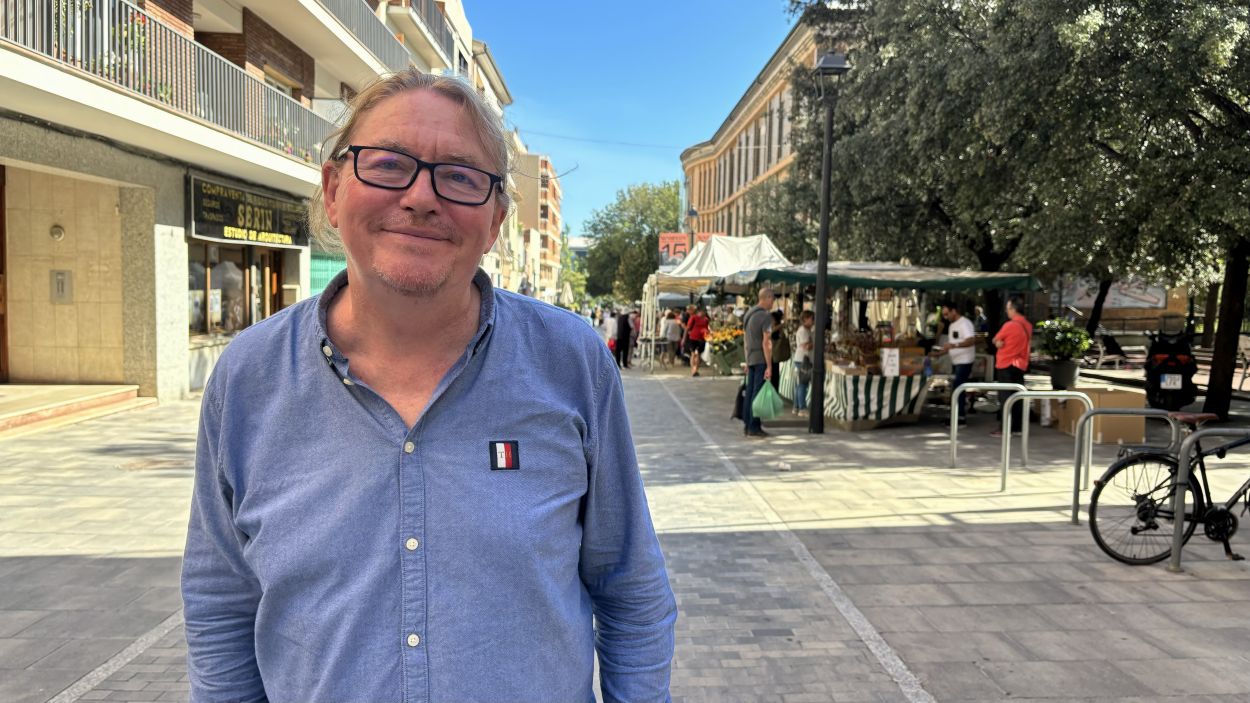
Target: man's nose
<point>420,195</point>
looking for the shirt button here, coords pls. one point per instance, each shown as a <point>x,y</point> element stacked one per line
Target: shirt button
<point>409,447</point>
<point>347,382</point>
<point>412,543</point>
<point>413,640</point>
<point>327,350</point>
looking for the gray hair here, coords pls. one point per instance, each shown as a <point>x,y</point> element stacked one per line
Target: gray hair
<point>486,123</point>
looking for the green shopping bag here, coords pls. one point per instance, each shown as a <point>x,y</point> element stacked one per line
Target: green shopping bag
<point>767,403</point>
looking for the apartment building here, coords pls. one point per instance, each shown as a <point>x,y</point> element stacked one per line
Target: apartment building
<point>156,157</point>
<point>751,146</point>
<point>538,185</point>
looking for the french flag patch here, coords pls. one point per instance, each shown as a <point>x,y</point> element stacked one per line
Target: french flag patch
<point>505,456</point>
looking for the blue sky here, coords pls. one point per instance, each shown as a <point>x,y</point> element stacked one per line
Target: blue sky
<point>640,75</point>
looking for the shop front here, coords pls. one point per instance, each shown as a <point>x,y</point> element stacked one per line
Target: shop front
<point>245,252</point>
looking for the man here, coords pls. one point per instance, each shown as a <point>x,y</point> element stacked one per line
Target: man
<point>696,338</point>
<point>624,338</point>
<point>757,327</point>
<point>1012,360</point>
<point>803,357</point>
<point>961,340</point>
<point>422,523</point>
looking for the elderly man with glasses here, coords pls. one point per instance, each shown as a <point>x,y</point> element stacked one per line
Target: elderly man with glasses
<point>417,487</point>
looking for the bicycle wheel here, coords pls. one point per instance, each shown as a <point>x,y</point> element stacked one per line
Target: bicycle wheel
<point>1130,510</point>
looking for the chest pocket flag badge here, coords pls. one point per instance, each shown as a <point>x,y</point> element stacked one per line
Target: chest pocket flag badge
<point>505,456</point>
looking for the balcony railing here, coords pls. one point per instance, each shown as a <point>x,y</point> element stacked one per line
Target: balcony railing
<point>436,23</point>
<point>358,17</point>
<point>115,41</point>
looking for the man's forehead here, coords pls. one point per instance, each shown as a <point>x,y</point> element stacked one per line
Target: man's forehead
<point>422,123</point>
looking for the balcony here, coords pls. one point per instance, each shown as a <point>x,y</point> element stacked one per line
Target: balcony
<point>359,19</point>
<point>115,42</point>
<point>422,18</point>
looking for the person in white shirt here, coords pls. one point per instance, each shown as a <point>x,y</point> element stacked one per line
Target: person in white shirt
<point>961,339</point>
<point>803,347</point>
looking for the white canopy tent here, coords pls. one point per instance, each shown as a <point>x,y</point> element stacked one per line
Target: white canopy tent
<point>719,257</point>
<point>716,258</point>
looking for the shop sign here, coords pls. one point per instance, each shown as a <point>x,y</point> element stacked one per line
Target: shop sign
<point>225,213</point>
<point>673,249</point>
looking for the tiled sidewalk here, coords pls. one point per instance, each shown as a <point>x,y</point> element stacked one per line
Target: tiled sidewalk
<point>983,595</point>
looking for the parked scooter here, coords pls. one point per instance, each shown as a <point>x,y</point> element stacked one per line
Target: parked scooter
<point>1170,368</point>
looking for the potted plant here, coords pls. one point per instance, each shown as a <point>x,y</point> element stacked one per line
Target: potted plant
<point>1064,342</point>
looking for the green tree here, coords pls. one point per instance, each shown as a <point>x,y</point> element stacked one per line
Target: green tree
<point>1099,137</point>
<point>626,238</point>
<point>572,271</point>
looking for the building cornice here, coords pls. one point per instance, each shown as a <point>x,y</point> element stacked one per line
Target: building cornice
<point>765,82</point>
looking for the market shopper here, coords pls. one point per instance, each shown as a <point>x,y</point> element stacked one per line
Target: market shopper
<point>426,523</point>
<point>1013,341</point>
<point>803,352</point>
<point>673,332</point>
<point>696,338</point>
<point>961,340</point>
<point>757,344</point>
<point>624,339</point>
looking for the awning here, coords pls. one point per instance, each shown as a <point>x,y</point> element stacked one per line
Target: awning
<point>719,257</point>
<point>879,274</point>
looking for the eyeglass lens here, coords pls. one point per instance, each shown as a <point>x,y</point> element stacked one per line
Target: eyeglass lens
<point>393,170</point>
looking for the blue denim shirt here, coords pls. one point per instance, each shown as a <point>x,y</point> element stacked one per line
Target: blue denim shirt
<point>336,555</point>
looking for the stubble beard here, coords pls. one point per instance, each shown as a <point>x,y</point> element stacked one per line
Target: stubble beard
<point>414,283</point>
<point>414,286</point>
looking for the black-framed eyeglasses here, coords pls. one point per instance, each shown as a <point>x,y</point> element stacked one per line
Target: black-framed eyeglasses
<point>381,167</point>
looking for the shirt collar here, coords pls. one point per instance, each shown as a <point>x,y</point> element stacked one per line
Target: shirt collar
<point>485,323</point>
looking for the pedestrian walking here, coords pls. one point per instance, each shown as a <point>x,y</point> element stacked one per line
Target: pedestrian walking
<point>696,338</point>
<point>757,326</point>
<point>1013,341</point>
<point>803,349</point>
<point>624,335</point>
<point>961,340</point>
<point>448,518</point>
<point>673,332</point>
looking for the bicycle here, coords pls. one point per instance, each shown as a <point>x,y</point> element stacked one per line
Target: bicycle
<point>1130,510</point>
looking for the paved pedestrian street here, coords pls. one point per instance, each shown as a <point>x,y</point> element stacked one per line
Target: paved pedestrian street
<point>842,567</point>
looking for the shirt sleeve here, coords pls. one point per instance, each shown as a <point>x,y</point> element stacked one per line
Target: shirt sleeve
<point>621,563</point>
<point>220,593</point>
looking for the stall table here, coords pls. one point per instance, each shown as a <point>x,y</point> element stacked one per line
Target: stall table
<point>855,400</point>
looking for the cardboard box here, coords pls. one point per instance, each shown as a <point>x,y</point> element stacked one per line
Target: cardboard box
<point>1106,430</point>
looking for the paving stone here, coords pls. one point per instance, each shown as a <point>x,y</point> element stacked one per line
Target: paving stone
<point>985,596</point>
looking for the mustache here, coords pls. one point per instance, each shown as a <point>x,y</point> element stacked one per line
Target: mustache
<point>427,223</point>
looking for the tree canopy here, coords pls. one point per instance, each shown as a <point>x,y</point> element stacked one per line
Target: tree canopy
<point>626,238</point>
<point>1100,137</point>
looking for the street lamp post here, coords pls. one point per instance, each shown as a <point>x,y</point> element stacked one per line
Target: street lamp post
<point>828,70</point>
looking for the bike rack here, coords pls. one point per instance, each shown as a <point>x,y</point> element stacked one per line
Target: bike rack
<point>984,386</point>
<point>1182,479</point>
<point>1085,445</point>
<point>1024,440</point>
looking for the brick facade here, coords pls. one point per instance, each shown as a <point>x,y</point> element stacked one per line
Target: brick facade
<point>175,13</point>
<point>261,46</point>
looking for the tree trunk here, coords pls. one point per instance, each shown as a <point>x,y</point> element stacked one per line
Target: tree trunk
<point>1208,319</point>
<point>1232,309</point>
<point>994,313</point>
<point>1095,313</point>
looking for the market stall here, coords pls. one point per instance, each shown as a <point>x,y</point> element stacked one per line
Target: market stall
<point>878,377</point>
<point>707,263</point>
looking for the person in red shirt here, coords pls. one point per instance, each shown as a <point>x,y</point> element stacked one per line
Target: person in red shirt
<point>696,336</point>
<point>1012,360</point>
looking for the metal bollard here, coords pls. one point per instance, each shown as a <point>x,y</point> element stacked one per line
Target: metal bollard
<point>986,386</point>
<point>1025,396</point>
<point>1182,479</point>
<point>1085,445</point>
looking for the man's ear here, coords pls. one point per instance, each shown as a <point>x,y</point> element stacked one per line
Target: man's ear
<point>330,190</point>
